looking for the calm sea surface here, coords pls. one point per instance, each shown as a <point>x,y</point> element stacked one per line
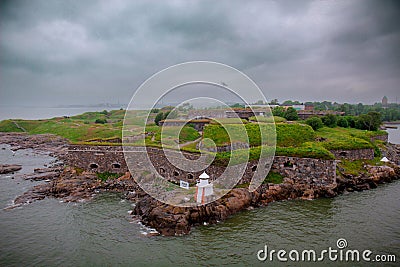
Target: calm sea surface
<point>101,232</point>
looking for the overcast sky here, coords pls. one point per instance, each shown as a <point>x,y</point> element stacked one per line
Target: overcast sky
<point>77,52</point>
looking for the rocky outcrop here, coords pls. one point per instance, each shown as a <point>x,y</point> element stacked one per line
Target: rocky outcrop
<point>170,220</point>
<point>9,168</point>
<point>41,174</point>
<point>41,142</point>
<point>72,186</point>
<point>392,152</point>
<point>375,175</point>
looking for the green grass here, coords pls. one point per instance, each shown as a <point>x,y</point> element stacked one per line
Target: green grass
<point>356,167</point>
<point>293,135</point>
<point>343,138</point>
<point>274,178</point>
<point>292,139</point>
<point>229,121</point>
<point>9,126</point>
<point>276,119</point>
<point>171,134</point>
<point>306,150</point>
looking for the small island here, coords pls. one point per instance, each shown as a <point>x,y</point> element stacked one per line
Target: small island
<point>315,155</point>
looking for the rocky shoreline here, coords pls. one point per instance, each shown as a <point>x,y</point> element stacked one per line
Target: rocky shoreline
<point>169,220</point>
<point>74,185</point>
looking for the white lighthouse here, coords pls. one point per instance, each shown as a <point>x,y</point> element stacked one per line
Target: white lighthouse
<point>203,189</point>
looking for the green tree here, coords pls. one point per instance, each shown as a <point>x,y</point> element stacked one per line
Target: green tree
<point>291,114</point>
<point>315,123</point>
<point>370,121</point>
<point>159,117</point>
<point>342,122</point>
<point>329,120</point>
<point>278,111</point>
<point>351,121</point>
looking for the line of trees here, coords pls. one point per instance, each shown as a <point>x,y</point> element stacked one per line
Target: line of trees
<point>370,121</point>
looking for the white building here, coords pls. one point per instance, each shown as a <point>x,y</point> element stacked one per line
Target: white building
<point>203,189</point>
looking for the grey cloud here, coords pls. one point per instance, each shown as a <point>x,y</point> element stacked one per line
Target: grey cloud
<point>69,51</point>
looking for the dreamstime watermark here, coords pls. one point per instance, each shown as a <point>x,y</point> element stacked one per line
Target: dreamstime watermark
<point>340,253</point>
<point>153,153</point>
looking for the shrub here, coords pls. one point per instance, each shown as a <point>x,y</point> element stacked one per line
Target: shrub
<point>102,121</point>
<point>278,111</point>
<point>291,114</point>
<point>342,122</point>
<point>351,121</point>
<point>159,117</point>
<point>330,120</point>
<point>315,123</point>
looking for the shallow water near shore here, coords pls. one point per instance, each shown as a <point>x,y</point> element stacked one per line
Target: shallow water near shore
<point>102,233</point>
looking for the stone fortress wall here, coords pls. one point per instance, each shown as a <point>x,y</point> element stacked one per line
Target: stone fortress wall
<point>316,172</point>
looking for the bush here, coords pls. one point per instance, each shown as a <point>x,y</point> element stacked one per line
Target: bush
<point>351,121</point>
<point>342,122</point>
<point>102,121</point>
<point>291,114</point>
<point>159,117</point>
<point>329,120</point>
<point>278,111</point>
<point>315,123</point>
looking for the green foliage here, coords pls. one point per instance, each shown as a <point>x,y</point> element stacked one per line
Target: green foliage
<point>278,111</point>
<point>329,120</point>
<point>291,114</point>
<point>278,119</point>
<point>159,117</point>
<point>104,176</point>
<point>370,121</point>
<point>274,178</point>
<point>315,123</point>
<point>237,105</point>
<point>101,121</point>
<point>342,122</point>
<point>351,121</point>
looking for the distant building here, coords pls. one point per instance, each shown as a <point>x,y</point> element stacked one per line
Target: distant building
<point>241,113</point>
<point>384,101</point>
<point>309,107</point>
<point>299,107</point>
<point>305,114</point>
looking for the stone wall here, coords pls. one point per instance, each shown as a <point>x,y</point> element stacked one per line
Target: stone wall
<point>383,137</point>
<point>96,158</point>
<point>367,153</point>
<point>111,158</point>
